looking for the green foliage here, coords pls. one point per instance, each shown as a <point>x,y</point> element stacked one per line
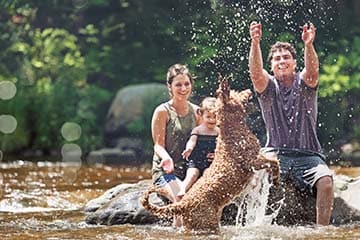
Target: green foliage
<point>52,90</point>
<point>341,71</point>
<point>20,138</point>
<point>68,58</point>
<point>357,131</point>
<point>134,40</point>
<point>339,93</point>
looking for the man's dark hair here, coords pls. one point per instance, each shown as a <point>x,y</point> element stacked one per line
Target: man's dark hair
<point>281,45</point>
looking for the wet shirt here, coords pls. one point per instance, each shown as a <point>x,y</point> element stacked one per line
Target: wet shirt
<point>205,144</point>
<point>290,115</point>
<point>178,130</point>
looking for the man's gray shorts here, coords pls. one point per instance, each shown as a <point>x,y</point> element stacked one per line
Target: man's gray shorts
<point>303,168</point>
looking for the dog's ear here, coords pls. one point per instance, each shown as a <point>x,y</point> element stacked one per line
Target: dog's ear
<point>223,92</point>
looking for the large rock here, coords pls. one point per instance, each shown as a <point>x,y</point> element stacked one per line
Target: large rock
<point>120,205</point>
<point>132,108</point>
<point>130,105</point>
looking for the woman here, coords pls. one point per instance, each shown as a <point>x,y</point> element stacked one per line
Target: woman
<point>171,125</point>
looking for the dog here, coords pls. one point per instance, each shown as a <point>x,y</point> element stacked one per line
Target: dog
<point>236,158</point>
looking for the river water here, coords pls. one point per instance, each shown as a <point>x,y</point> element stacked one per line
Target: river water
<point>44,200</point>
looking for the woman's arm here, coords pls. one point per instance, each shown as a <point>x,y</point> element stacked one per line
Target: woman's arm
<point>158,130</point>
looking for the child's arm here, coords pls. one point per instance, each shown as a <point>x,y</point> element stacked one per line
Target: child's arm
<point>190,145</point>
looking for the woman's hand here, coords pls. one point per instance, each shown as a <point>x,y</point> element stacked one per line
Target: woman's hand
<point>167,165</point>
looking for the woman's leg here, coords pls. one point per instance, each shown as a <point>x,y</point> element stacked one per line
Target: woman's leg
<point>172,185</point>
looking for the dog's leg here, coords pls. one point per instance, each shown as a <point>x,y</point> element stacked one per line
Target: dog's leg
<point>271,165</point>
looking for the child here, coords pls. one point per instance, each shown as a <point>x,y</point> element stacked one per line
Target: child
<point>200,147</point>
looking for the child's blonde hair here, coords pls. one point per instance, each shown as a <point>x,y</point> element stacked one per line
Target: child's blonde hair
<point>207,104</point>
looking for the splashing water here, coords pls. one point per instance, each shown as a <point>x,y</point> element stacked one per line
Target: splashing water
<point>221,38</point>
<point>253,202</point>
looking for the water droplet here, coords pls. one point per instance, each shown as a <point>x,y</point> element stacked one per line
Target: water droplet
<point>70,174</point>
<point>71,152</point>
<point>7,90</point>
<point>8,124</point>
<point>71,131</point>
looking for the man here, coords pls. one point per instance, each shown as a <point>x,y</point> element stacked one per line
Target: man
<point>288,101</point>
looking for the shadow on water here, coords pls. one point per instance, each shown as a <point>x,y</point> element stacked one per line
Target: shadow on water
<point>44,200</point>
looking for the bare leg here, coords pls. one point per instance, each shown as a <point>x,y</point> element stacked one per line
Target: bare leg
<point>192,174</point>
<point>324,200</point>
<point>173,189</point>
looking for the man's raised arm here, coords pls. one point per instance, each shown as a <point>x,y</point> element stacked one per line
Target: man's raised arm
<point>310,73</point>
<point>258,75</point>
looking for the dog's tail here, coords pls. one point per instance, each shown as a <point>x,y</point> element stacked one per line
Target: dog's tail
<point>170,210</point>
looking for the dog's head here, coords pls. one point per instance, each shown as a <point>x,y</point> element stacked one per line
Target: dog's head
<point>232,101</point>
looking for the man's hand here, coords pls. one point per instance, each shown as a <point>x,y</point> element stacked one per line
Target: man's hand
<point>308,34</point>
<point>255,32</point>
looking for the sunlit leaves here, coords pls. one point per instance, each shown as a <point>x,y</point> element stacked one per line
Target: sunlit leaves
<point>341,72</point>
<point>49,50</point>
<point>52,89</point>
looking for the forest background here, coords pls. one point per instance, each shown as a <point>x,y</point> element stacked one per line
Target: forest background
<point>62,62</point>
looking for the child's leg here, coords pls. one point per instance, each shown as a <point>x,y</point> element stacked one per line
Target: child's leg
<point>192,174</point>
